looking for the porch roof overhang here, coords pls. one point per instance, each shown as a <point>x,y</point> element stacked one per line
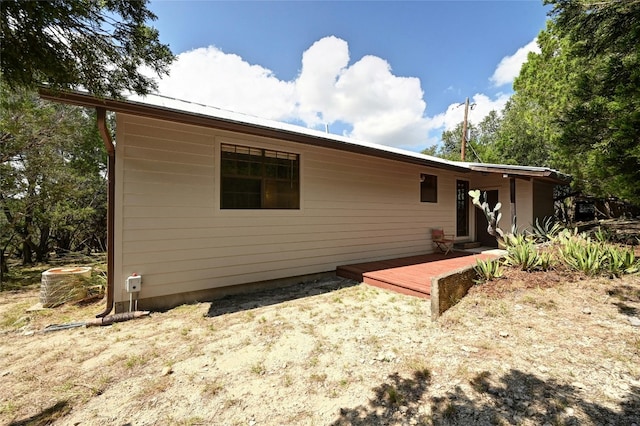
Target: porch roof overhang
<point>523,172</point>
<point>175,110</point>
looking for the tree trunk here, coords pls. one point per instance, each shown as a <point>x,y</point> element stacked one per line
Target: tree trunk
<point>4,268</point>
<point>27,253</point>
<point>42,249</point>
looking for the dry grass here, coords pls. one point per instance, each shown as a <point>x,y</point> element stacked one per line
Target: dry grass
<point>526,350</point>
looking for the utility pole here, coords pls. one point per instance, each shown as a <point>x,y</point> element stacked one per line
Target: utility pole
<point>464,130</point>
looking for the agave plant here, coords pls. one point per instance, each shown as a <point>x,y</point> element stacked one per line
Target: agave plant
<point>546,230</point>
<point>488,270</point>
<point>602,235</point>
<point>620,261</point>
<point>580,253</point>
<point>523,254</point>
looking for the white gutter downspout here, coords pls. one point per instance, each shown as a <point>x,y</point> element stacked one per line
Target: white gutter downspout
<point>111,175</point>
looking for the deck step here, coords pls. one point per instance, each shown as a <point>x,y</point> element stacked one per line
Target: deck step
<point>424,293</point>
<point>350,274</point>
<point>410,275</point>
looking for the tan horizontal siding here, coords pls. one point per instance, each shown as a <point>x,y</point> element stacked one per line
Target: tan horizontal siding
<point>147,164</point>
<point>159,218</point>
<point>164,177</point>
<point>168,199</point>
<point>172,157</point>
<point>299,241</point>
<point>251,256</point>
<point>221,274</point>
<point>159,131</point>
<point>353,208</point>
<point>145,235</point>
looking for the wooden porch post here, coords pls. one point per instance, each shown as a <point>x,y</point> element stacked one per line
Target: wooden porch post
<point>512,199</point>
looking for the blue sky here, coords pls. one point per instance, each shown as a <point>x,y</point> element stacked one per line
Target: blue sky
<point>385,72</point>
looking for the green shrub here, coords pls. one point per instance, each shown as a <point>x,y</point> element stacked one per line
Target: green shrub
<point>582,254</point>
<point>488,270</point>
<point>578,252</point>
<point>515,239</point>
<point>620,261</point>
<point>523,254</point>
<point>547,261</point>
<point>546,230</point>
<point>598,257</point>
<point>602,235</point>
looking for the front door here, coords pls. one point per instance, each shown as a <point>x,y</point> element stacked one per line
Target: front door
<point>482,235</point>
<point>462,208</point>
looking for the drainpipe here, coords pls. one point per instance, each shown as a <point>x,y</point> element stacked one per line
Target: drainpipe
<point>111,180</point>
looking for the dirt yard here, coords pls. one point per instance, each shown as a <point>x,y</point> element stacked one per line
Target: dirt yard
<point>335,352</point>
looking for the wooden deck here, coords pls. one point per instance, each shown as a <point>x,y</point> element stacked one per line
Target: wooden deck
<point>410,275</point>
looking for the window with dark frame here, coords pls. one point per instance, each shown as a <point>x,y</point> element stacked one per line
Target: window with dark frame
<point>255,178</point>
<point>462,208</point>
<point>428,188</point>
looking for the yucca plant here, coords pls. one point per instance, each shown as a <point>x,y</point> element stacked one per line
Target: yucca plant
<point>488,270</point>
<point>620,261</point>
<point>547,260</point>
<point>515,239</point>
<point>523,254</point>
<point>546,230</point>
<point>602,235</point>
<point>582,254</point>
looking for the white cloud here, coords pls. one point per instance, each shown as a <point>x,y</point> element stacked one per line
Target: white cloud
<point>379,106</point>
<point>509,67</point>
<point>481,106</point>
<point>210,76</point>
<point>376,105</point>
<point>322,64</point>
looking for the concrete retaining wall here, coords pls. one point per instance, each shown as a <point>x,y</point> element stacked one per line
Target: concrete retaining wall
<point>449,288</point>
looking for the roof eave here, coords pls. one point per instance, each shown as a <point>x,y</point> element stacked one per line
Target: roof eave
<point>544,174</point>
<point>186,117</point>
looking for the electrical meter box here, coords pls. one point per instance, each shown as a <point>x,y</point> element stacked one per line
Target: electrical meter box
<point>134,283</point>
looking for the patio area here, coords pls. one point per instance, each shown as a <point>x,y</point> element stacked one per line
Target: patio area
<point>412,275</point>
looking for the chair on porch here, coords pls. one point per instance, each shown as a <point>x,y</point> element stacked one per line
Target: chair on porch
<point>443,241</point>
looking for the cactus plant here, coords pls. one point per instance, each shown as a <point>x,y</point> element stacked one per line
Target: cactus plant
<point>493,215</point>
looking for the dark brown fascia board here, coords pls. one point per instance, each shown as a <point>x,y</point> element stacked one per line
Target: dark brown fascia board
<point>546,175</point>
<point>151,111</point>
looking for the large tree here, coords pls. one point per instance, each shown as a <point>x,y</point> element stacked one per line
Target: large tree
<point>100,46</point>
<point>52,177</point>
<point>576,105</point>
<point>531,126</point>
<point>601,123</point>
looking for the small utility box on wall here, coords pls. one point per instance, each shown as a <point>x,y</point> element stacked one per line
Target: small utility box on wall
<point>134,283</point>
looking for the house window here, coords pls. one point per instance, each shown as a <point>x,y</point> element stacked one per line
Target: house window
<point>462,208</point>
<point>254,178</point>
<point>428,188</point>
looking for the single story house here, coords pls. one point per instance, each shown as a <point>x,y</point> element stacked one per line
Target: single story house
<point>205,202</point>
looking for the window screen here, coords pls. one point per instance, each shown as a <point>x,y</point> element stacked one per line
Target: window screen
<point>428,188</point>
<point>254,178</point>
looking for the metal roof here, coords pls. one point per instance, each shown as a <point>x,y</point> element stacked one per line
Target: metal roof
<point>543,173</point>
<point>164,108</point>
<point>171,109</point>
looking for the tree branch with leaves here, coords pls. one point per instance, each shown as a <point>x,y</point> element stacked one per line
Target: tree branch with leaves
<point>100,46</point>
